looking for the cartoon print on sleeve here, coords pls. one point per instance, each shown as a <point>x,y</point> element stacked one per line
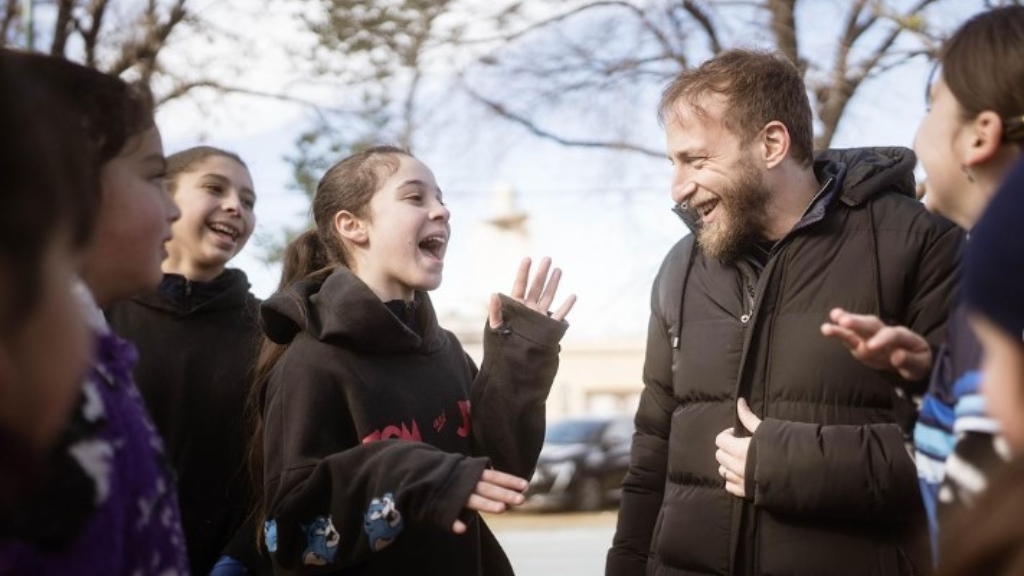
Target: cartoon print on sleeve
<point>270,535</point>
<point>321,542</point>
<point>382,522</point>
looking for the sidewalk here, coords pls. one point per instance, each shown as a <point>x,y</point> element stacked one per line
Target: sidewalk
<point>544,544</point>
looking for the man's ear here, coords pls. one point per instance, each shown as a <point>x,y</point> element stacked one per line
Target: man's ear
<point>774,143</point>
<point>350,227</point>
<point>985,134</point>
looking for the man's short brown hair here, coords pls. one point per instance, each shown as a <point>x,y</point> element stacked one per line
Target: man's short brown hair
<point>758,87</point>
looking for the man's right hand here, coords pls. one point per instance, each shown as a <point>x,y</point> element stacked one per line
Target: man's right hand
<point>891,348</point>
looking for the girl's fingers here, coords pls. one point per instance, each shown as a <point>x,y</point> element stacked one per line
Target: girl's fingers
<point>564,309</point>
<point>836,314</point>
<point>548,295</point>
<point>504,480</point>
<point>519,287</point>
<point>898,337</point>
<point>459,527</point>
<point>536,288</point>
<point>863,325</point>
<point>494,317</point>
<point>481,504</point>
<point>498,494</point>
<point>847,337</point>
<point>537,293</point>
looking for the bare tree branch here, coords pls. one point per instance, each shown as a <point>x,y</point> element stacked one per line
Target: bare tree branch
<point>63,27</point>
<point>846,79</point>
<point>501,110</point>
<point>142,53</point>
<point>90,34</point>
<point>12,10</point>
<point>183,88</point>
<point>886,44</point>
<point>702,18</point>
<point>508,38</point>
<point>783,19</point>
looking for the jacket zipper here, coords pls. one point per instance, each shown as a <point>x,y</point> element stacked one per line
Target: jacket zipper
<point>754,293</point>
<point>751,298</point>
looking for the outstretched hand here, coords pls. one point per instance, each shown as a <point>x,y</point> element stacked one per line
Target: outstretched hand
<point>891,348</point>
<point>732,451</point>
<point>537,296</point>
<point>494,493</point>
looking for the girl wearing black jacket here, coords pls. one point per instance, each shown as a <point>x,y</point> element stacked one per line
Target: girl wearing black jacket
<point>381,440</point>
<point>198,335</point>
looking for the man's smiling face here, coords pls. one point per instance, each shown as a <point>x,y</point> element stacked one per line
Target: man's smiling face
<point>715,179</point>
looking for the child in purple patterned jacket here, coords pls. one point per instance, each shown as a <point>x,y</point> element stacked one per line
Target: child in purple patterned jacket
<point>107,505</point>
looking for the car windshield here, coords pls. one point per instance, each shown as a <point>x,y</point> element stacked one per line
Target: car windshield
<point>573,432</point>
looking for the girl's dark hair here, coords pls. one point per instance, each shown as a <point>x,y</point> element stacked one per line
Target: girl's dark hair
<point>350,185</point>
<point>49,187</point>
<point>109,110</point>
<point>313,255</point>
<point>983,65</point>
<point>182,162</point>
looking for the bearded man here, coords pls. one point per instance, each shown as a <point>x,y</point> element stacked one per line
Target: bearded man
<point>762,447</point>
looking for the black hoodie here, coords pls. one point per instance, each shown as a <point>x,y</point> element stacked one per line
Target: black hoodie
<point>197,345</point>
<point>347,491</point>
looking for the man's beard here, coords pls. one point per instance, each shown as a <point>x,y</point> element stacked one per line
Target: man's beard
<point>741,211</point>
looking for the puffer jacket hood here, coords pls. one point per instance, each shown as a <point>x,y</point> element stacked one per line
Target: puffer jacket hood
<point>324,310</point>
<point>871,171</point>
<point>860,173</point>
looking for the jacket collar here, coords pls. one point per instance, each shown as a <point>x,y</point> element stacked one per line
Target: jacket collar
<point>180,296</point>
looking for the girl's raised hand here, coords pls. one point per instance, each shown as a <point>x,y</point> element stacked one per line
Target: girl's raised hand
<point>538,295</point>
<point>494,493</point>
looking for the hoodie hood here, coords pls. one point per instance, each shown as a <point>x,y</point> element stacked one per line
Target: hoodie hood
<point>872,171</point>
<point>179,296</point>
<point>343,310</point>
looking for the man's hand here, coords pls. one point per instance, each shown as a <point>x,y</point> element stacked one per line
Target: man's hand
<point>891,348</point>
<point>732,451</point>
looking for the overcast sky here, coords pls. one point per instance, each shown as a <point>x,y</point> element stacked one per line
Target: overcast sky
<point>603,217</point>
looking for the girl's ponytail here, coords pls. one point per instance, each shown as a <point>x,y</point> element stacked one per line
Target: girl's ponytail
<point>305,257</point>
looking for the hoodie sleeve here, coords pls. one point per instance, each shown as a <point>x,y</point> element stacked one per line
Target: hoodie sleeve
<point>510,391</point>
<point>332,501</point>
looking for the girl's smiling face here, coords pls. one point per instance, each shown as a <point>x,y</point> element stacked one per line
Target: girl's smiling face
<point>217,200</point>
<point>399,247</point>
<point>940,145</point>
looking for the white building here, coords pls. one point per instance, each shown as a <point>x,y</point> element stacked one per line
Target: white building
<point>593,377</point>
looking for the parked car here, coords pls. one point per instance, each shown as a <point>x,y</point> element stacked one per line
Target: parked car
<point>582,463</point>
